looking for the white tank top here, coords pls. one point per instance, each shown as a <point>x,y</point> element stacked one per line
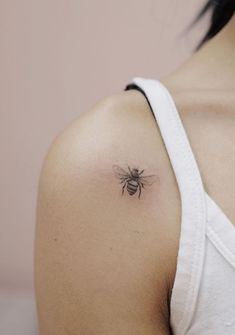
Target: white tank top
<point>203,294</point>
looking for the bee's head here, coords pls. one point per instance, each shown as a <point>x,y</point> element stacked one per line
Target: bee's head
<point>135,172</point>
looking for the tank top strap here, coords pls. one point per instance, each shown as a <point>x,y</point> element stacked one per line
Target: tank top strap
<point>193,203</point>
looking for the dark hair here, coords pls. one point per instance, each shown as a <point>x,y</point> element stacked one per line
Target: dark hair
<point>222,12</point>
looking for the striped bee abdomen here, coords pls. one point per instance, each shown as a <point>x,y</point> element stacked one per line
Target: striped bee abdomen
<point>132,187</point>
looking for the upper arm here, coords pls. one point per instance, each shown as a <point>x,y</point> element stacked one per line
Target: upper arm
<point>102,260</point>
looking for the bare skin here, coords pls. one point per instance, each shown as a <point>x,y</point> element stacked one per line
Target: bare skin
<point>105,263</point>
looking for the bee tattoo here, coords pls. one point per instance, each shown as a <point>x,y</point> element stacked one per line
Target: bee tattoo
<point>133,180</point>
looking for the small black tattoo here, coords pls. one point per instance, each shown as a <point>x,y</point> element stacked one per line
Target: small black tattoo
<point>133,180</point>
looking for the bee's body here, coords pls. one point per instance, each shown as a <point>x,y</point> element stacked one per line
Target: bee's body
<point>132,186</point>
<point>133,180</point>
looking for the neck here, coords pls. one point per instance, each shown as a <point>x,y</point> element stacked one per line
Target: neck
<point>213,66</point>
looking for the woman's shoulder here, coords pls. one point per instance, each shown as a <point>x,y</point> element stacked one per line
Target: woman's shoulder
<point>107,247</point>
<point>118,130</point>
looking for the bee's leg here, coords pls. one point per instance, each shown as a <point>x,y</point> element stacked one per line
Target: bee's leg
<point>142,185</point>
<point>139,191</point>
<point>123,187</point>
<point>129,168</point>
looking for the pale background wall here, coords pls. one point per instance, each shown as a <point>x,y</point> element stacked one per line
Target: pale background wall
<point>57,59</point>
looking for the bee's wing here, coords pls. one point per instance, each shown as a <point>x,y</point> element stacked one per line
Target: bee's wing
<point>119,172</point>
<point>149,180</point>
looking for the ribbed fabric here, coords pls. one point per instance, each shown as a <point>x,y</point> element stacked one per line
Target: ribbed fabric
<point>203,295</point>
